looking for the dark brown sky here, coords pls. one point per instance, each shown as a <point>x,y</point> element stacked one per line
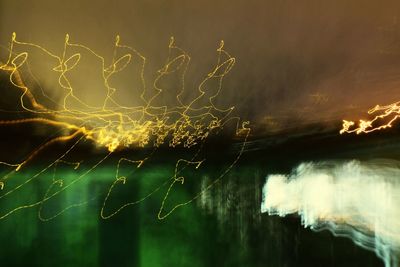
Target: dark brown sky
<point>302,59</point>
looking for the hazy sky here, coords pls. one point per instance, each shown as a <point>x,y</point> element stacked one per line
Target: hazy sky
<point>304,59</point>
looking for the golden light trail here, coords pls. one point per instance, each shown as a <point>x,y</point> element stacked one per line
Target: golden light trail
<point>387,115</point>
<point>111,125</point>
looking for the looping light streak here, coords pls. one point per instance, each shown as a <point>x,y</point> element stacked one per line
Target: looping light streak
<point>109,124</point>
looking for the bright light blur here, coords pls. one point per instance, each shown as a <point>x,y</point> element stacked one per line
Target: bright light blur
<point>353,199</point>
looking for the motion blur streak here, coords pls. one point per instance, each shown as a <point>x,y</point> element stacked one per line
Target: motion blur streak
<point>354,199</point>
<point>385,119</point>
<point>154,117</point>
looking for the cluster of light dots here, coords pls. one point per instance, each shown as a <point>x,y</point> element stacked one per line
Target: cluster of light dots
<point>111,125</point>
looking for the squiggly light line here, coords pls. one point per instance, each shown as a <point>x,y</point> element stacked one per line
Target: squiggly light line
<point>114,126</point>
<point>387,116</point>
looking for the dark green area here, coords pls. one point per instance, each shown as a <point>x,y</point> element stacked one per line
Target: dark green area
<point>223,227</point>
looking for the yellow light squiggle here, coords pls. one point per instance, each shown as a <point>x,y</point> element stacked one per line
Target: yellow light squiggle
<point>387,116</point>
<point>111,125</point>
